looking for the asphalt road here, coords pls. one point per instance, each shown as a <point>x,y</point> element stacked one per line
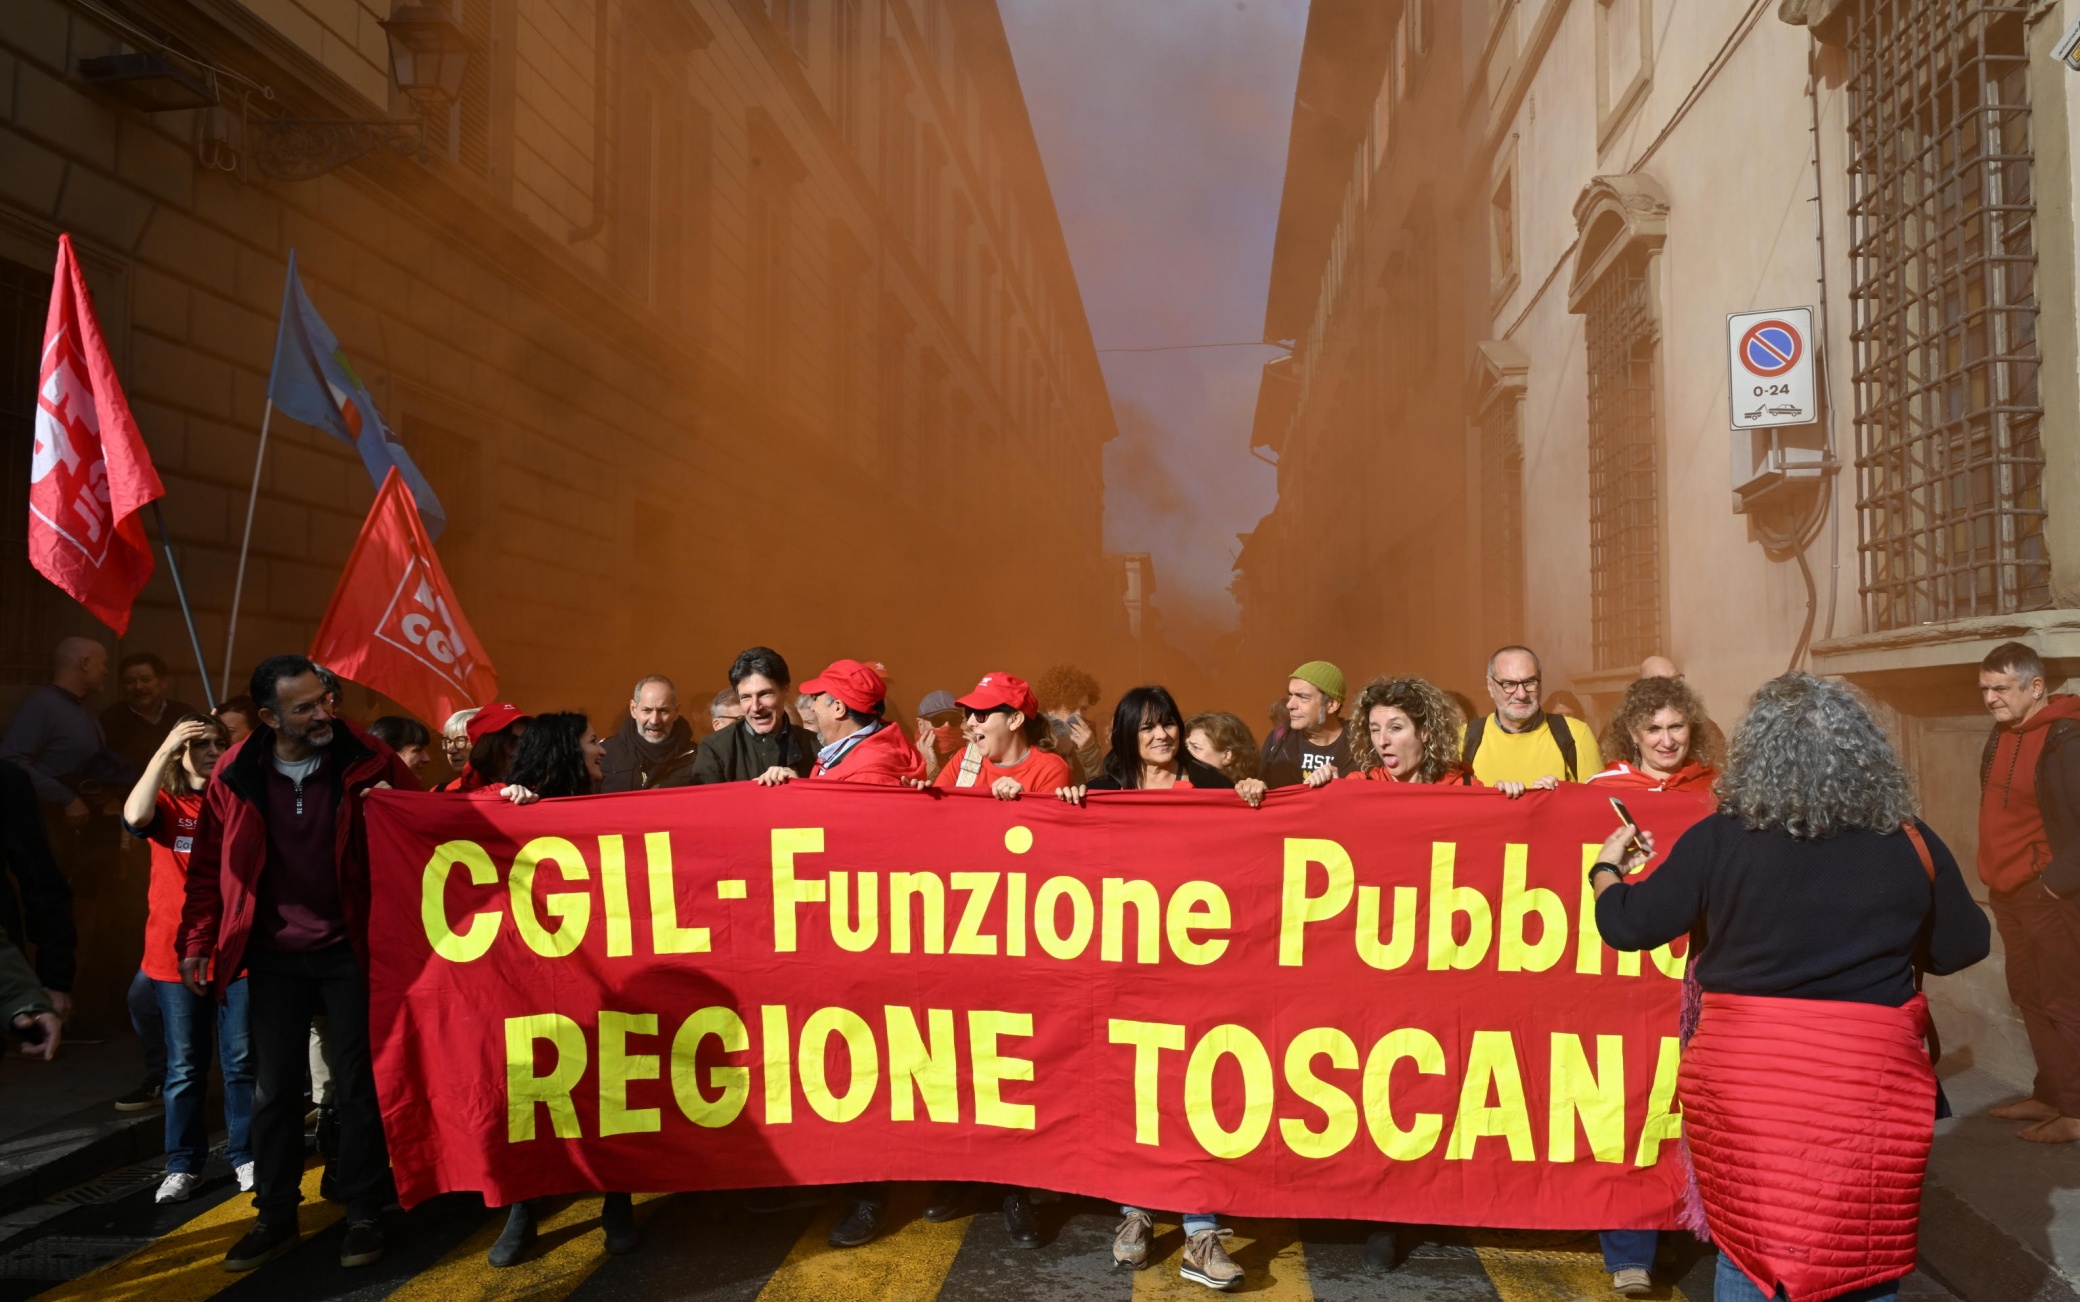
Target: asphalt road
<point>707,1248</point>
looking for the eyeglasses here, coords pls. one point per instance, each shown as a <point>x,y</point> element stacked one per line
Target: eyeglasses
<point>1512,686</point>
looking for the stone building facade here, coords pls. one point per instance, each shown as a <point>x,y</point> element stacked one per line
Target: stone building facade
<point>1620,176</point>
<point>712,322</point>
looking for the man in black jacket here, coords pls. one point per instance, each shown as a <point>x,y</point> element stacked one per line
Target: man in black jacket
<point>764,746</point>
<point>36,906</point>
<point>655,747</point>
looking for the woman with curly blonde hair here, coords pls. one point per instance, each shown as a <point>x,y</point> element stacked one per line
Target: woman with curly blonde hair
<point>1408,731</point>
<point>1660,739</point>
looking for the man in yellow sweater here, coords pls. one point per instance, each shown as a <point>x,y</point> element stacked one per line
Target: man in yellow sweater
<point>1520,742</point>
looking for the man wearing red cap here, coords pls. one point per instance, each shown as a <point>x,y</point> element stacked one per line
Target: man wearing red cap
<point>859,745</point>
<point>1006,736</point>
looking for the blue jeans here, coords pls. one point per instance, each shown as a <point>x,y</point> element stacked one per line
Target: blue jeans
<point>189,1031</point>
<point>1730,1285</point>
<point>143,1003</point>
<point>1194,1222</point>
<point>1629,1249</point>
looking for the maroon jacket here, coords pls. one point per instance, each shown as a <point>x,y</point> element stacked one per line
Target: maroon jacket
<point>231,846</point>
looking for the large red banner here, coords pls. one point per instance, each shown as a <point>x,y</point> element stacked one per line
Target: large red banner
<point>1364,1002</point>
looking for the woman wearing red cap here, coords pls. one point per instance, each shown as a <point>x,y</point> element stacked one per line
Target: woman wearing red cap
<point>494,734</point>
<point>859,745</point>
<point>1010,743</point>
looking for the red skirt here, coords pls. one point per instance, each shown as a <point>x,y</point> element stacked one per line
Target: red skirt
<point>1809,1122</point>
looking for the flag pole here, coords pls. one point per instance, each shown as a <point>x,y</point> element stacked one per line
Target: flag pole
<point>245,543</point>
<point>181,594</point>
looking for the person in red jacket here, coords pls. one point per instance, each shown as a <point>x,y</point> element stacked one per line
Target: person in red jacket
<point>2029,858</point>
<point>1011,744</point>
<point>859,745</point>
<point>1660,740</point>
<point>278,888</point>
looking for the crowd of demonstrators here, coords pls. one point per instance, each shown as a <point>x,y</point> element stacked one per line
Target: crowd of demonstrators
<point>655,746</point>
<point>2029,860</point>
<point>1812,896</point>
<point>1314,736</point>
<point>724,710</point>
<point>164,809</point>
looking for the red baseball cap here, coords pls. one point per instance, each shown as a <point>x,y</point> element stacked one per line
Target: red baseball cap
<point>997,689</point>
<point>856,685</point>
<point>496,717</point>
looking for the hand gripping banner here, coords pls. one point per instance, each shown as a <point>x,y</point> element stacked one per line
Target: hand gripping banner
<point>1366,1002</point>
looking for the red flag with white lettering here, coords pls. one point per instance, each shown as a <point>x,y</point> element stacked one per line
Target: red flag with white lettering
<point>394,624</point>
<point>89,472</point>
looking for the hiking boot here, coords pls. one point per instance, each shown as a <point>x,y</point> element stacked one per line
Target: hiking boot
<point>1019,1221</point>
<point>262,1244</point>
<point>517,1237</point>
<point>1206,1261</point>
<point>144,1098</point>
<point>948,1199</point>
<point>363,1245</point>
<point>860,1225</point>
<point>617,1216</point>
<point>1130,1240</point>
<point>1632,1282</point>
<point>177,1187</point>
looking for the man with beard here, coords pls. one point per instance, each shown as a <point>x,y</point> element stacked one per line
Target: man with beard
<point>278,891</point>
<point>764,746</point>
<point>655,747</point>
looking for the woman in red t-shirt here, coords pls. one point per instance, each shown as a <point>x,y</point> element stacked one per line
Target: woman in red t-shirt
<point>164,808</point>
<point>1010,743</point>
<point>1661,740</point>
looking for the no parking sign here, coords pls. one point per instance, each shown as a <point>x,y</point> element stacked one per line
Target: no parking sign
<point>1770,368</point>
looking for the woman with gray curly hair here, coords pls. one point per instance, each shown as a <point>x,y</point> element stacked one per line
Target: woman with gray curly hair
<point>1811,898</point>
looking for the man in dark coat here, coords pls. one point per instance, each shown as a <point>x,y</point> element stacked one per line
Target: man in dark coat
<point>765,743</point>
<point>655,747</point>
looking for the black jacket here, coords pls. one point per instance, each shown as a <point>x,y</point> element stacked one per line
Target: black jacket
<point>737,754</point>
<point>42,915</point>
<point>627,767</point>
<point>2058,799</point>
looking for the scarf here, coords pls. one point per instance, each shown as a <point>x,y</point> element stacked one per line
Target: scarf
<point>650,754</point>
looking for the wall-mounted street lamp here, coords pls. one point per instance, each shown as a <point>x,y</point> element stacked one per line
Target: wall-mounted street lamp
<point>429,57</point>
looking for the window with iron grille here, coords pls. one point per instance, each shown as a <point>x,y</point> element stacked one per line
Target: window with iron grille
<point>1624,471</point>
<point>1949,459</point>
<point>33,612</point>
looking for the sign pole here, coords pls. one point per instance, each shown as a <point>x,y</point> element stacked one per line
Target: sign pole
<point>245,544</point>
<point>181,594</point>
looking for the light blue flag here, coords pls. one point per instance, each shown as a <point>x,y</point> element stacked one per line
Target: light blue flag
<point>314,383</point>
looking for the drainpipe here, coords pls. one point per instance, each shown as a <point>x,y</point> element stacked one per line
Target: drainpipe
<point>602,115</point>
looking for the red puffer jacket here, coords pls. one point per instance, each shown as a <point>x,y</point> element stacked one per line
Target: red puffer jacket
<point>231,846</point>
<point>1809,1122</point>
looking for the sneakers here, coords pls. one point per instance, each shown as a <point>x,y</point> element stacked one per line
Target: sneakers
<point>363,1245</point>
<point>262,1244</point>
<point>1207,1262</point>
<point>860,1225</point>
<point>1632,1282</point>
<point>144,1098</point>
<point>1130,1240</point>
<point>244,1172</point>
<point>177,1187</point>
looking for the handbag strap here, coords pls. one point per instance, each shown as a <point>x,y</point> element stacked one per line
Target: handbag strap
<point>1928,861</point>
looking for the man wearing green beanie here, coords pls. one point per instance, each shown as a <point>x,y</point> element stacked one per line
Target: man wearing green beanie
<point>1314,737</point>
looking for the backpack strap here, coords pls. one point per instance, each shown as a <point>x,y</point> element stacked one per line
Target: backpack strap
<point>1928,861</point>
<point>1471,742</point>
<point>1563,737</point>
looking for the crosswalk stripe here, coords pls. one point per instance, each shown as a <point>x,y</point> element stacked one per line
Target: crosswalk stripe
<point>1269,1252</point>
<point>907,1264</point>
<point>186,1264</point>
<point>569,1246</point>
<point>1524,1277</point>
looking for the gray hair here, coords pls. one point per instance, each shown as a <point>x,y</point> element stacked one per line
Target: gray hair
<point>1809,759</point>
<point>635,693</point>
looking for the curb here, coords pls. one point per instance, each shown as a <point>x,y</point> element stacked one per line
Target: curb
<point>1978,1260</point>
<point>74,1149</point>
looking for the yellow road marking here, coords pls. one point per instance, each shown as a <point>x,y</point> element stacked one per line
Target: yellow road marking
<point>187,1264</point>
<point>906,1264</point>
<point>1548,1275</point>
<point>569,1246</point>
<point>1271,1256</point>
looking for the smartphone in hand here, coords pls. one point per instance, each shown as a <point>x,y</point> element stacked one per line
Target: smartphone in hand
<point>1625,816</point>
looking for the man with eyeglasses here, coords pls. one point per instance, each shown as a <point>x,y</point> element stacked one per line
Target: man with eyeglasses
<point>278,892</point>
<point>1520,744</point>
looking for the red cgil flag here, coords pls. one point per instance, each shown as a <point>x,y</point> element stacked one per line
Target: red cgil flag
<point>89,472</point>
<point>394,624</point>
